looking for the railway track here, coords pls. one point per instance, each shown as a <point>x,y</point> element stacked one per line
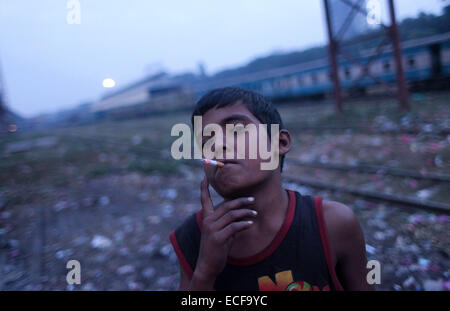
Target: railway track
<point>372,130</point>
<point>377,169</point>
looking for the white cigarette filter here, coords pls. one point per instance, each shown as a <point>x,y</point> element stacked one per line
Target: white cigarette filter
<point>212,162</point>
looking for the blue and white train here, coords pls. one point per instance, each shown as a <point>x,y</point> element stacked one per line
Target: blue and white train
<point>426,63</point>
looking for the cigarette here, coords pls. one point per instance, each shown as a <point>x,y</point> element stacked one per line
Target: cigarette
<point>212,162</point>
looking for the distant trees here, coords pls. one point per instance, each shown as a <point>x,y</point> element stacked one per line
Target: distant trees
<point>410,28</point>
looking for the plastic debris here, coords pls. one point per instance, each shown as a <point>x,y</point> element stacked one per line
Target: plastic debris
<point>101,242</point>
<point>64,253</point>
<point>409,282</point>
<point>379,235</point>
<point>432,285</point>
<point>134,285</point>
<point>165,281</point>
<point>104,201</point>
<point>60,206</point>
<point>424,194</point>
<point>147,249</point>
<point>370,249</point>
<point>127,269</point>
<point>169,193</point>
<point>167,211</point>
<point>88,287</point>
<point>423,262</point>
<point>166,250</point>
<point>148,273</point>
<point>154,219</point>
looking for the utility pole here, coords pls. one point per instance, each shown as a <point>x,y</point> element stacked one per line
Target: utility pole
<point>336,48</point>
<point>333,51</point>
<point>402,91</point>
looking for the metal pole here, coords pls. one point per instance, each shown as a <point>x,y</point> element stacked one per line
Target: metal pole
<point>400,76</point>
<point>333,49</point>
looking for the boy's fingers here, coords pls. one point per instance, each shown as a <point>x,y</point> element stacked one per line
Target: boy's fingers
<point>205,198</point>
<point>233,228</point>
<point>232,216</point>
<point>227,206</point>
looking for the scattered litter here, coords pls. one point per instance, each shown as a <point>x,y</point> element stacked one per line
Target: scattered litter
<point>432,285</point>
<point>423,262</point>
<point>149,273</point>
<point>61,206</point>
<point>64,253</point>
<point>104,201</point>
<point>134,285</point>
<point>88,287</point>
<point>379,235</point>
<point>370,249</point>
<point>425,193</point>
<point>154,220</point>
<point>167,210</point>
<point>127,269</point>
<point>166,250</point>
<point>169,193</point>
<point>409,282</point>
<point>101,242</point>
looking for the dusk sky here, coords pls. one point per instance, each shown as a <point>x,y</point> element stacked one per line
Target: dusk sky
<point>48,64</point>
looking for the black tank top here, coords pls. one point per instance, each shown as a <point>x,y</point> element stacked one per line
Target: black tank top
<point>297,259</point>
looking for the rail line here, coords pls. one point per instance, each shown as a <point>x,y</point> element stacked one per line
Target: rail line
<point>377,169</point>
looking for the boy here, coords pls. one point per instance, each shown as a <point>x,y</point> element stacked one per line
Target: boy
<point>262,237</point>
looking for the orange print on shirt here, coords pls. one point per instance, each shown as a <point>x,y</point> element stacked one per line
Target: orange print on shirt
<point>284,281</point>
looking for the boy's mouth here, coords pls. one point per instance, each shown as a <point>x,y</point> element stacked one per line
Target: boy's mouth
<point>229,162</point>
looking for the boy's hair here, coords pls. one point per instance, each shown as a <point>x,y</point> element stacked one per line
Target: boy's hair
<point>258,105</point>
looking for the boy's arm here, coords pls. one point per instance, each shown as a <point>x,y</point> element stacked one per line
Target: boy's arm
<point>196,283</point>
<point>347,244</point>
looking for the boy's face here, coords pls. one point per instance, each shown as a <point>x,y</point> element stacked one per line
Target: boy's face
<point>239,176</point>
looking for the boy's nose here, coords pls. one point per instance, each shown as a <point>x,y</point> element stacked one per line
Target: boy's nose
<point>221,145</point>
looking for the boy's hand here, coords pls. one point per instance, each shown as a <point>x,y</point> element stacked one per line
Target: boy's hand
<point>220,224</point>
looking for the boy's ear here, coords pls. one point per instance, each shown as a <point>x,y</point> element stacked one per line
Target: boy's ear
<point>285,142</point>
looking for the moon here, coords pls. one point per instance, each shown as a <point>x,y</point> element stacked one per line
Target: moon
<point>108,83</point>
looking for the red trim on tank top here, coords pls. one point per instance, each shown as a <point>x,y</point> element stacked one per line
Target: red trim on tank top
<point>183,262</point>
<point>279,237</point>
<point>325,242</point>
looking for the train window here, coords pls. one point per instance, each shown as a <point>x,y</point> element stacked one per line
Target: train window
<point>347,73</point>
<point>314,78</point>
<point>411,62</point>
<point>386,66</point>
<point>295,81</point>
